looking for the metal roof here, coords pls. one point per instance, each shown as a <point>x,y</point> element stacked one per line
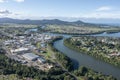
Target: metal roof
<point>30,56</point>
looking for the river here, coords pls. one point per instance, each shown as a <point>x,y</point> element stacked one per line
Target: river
<point>89,61</point>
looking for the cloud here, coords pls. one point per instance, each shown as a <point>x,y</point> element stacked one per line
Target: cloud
<point>2,1</point>
<point>114,15</point>
<point>103,12</point>
<point>5,12</point>
<point>104,8</point>
<point>19,0</point>
<point>11,14</point>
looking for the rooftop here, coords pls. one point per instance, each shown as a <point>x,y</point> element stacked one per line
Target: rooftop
<point>30,56</point>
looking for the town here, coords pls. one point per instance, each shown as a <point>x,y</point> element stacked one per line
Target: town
<point>29,53</point>
<point>59,40</point>
<point>28,48</point>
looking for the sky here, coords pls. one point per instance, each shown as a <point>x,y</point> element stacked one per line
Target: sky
<point>38,9</point>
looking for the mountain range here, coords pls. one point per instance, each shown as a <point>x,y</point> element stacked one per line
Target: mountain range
<point>47,22</point>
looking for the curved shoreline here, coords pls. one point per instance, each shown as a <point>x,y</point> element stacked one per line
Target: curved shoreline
<point>100,57</point>
<point>89,69</point>
<point>94,33</point>
<point>79,33</point>
<point>88,61</point>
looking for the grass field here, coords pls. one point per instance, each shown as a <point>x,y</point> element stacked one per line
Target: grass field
<point>78,29</point>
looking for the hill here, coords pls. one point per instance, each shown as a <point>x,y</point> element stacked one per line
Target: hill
<point>45,22</point>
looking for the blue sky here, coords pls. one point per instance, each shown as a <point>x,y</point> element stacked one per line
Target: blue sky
<point>37,9</point>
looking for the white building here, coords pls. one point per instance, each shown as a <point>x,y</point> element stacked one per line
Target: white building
<point>19,50</point>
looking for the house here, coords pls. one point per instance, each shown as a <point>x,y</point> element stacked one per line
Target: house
<point>115,54</point>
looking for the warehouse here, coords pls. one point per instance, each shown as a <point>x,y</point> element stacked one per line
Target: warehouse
<point>30,56</point>
<point>19,50</point>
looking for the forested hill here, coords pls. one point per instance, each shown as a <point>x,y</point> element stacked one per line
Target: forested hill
<point>45,22</point>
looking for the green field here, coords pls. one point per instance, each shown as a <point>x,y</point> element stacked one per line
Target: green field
<point>79,29</point>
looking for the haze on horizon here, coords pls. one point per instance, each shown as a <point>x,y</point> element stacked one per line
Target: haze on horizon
<point>87,10</point>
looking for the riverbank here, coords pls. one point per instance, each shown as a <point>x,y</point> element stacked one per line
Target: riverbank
<point>78,33</point>
<point>83,72</point>
<point>112,31</point>
<point>65,61</point>
<point>84,47</point>
<point>79,30</point>
<point>92,33</point>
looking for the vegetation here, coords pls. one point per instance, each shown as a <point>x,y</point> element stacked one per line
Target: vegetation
<point>88,74</point>
<point>12,77</point>
<point>83,73</point>
<point>11,68</point>
<point>79,29</point>
<point>103,48</point>
<point>61,58</point>
<point>8,67</point>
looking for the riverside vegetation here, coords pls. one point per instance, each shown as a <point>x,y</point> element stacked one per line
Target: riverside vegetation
<point>82,29</point>
<point>82,73</point>
<point>65,72</point>
<point>103,48</point>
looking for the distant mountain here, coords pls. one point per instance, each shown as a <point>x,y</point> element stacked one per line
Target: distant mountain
<point>45,22</point>
<point>39,22</point>
<point>18,21</point>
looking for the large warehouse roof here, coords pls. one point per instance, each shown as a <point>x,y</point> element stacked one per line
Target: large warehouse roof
<point>20,49</point>
<point>30,56</point>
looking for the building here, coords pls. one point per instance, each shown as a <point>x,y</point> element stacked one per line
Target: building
<point>30,56</point>
<point>41,60</point>
<point>19,49</point>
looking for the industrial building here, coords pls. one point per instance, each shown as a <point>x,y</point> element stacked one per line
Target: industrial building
<point>19,49</point>
<point>30,56</point>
